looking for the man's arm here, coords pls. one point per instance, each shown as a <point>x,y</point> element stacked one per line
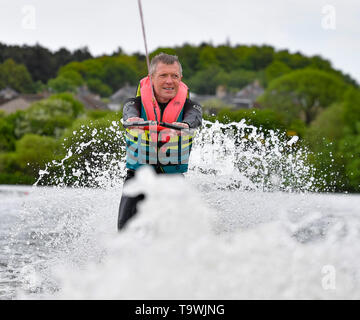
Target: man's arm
<point>192,114</point>
<point>132,108</point>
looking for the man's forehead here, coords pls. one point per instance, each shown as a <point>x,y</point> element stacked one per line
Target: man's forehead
<point>163,67</point>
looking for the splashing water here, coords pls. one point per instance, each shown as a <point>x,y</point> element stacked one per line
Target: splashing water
<point>245,223</point>
<point>248,158</point>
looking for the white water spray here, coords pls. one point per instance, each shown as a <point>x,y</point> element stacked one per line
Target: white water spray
<point>244,223</point>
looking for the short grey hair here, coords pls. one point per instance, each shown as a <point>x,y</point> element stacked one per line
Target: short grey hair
<point>164,58</point>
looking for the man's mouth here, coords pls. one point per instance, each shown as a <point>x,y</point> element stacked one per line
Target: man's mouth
<point>168,89</point>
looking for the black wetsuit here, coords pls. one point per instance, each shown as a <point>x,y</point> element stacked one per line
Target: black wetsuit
<point>132,108</point>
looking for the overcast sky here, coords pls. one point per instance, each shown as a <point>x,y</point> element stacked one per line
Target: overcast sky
<point>329,28</point>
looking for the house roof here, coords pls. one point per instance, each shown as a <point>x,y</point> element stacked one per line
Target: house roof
<point>200,98</point>
<point>250,92</point>
<point>15,105</point>
<point>8,93</point>
<point>123,94</point>
<point>21,102</point>
<point>90,100</point>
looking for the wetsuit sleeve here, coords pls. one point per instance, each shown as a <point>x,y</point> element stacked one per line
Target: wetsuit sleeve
<point>132,108</point>
<point>192,114</point>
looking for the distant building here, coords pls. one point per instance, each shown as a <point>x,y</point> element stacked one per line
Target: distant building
<point>120,96</point>
<point>89,100</point>
<point>8,94</point>
<point>200,98</point>
<point>15,101</point>
<point>221,92</point>
<point>22,102</point>
<point>246,97</point>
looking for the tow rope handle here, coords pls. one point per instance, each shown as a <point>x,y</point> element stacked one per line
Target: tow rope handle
<point>147,124</point>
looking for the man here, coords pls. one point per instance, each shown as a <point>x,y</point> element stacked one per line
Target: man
<point>172,105</point>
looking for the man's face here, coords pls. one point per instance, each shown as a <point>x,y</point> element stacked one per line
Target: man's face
<point>166,80</point>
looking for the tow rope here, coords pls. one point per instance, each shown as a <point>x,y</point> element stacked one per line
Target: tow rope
<point>147,57</point>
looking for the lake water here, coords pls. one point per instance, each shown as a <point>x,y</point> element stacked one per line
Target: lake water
<point>189,241</point>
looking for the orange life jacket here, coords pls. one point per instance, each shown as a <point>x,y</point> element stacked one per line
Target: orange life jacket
<point>172,110</point>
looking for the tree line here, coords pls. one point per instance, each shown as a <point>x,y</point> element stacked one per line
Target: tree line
<point>41,63</point>
<point>205,67</point>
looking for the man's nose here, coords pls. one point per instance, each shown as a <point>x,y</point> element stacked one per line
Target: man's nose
<point>168,78</point>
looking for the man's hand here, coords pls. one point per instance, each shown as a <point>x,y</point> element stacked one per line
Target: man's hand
<point>135,119</point>
<point>167,134</point>
<point>181,124</point>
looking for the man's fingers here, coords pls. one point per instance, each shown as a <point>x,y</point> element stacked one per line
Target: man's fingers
<point>185,125</point>
<point>133,119</point>
<point>181,124</point>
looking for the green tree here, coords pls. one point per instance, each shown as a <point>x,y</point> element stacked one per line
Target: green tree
<point>31,155</point>
<point>225,57</point>
<point>275,70</point>
<point>118,73</point>
<point>68,80</point>
<point>266,119</point>
<point>292,60</point>
<point>207,58</point>
<point>303,94</point>
<point>350,143</point>
<point>323,138</point>
<point>10,172</point>
<point>334,138</point>
<point>350,151</point>
<point>328,127</point>
<point>237,79</point>
<point>94,144</point>
<point>15,76</point>
<point>206,81</point>
<point>189,58</point>
<point>7,137</point>
<point>104,73</point>
<point>34,151</point>
<point>91,68</point>
<point>72,75</point>
<point>352,109</point>
<point>166,50</point>
<point>253,57</point>
<point>97,86</point>
<point>61,84</point>
<point>48,117</point>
